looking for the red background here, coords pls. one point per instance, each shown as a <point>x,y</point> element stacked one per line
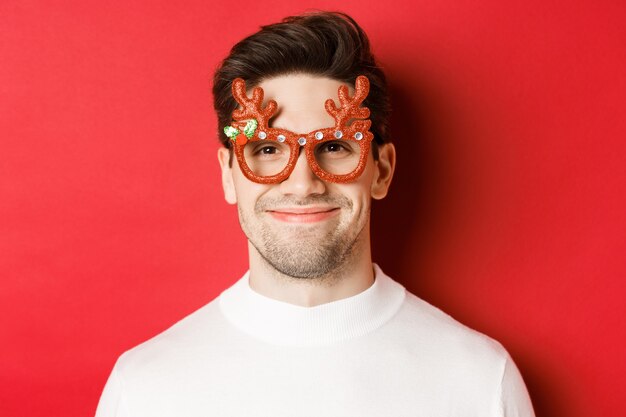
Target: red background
<point>508,211</point>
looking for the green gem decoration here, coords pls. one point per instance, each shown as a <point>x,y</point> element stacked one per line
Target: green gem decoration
<point>231,132</point>
<point>250,128</point>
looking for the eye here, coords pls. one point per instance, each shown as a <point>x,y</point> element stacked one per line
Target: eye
<point>333,146</point>
<point>266,150</point>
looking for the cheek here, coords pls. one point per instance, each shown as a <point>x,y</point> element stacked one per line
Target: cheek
<point>359,195</point>
<point>362,188</point>
<point>246,197</point>
<point>248,192</point>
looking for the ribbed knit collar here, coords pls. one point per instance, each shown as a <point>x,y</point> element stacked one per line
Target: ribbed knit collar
<point>282,323</point>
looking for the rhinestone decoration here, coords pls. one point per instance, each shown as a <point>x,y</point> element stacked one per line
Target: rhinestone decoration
<point>262,135</point>
<point>281,138</point>
<point>319,135</point>
<point>302,141</point>
<point>338,134</point>
<point>358,135</point>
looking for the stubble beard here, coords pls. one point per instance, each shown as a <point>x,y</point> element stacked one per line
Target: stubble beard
<point>299,251</point>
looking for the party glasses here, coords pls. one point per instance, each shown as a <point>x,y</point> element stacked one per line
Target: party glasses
<point>268,155</point>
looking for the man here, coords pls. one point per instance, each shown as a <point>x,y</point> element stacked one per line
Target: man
<point>314,328</point>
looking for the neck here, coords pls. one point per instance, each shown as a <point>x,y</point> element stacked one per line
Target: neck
<point>354,276</point>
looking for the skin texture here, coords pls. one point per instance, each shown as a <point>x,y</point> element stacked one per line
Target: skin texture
<point>308,240</point>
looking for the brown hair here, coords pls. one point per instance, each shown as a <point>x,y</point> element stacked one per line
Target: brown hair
<point>328,44</point>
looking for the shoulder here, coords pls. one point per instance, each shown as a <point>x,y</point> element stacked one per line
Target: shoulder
<point>184,339</point>
<point>427,330</point>
<point>457,359</point>
<point>421,324</point>
<point>450,355</point>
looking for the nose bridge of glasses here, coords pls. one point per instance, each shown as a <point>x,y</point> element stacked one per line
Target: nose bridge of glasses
<point>301,160</point>
<point>310,139</point>
<point>302,179</point>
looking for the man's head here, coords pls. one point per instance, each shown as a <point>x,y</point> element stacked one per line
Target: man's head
<point>303,226</point>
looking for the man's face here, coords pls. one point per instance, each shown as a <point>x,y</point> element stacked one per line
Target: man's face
<point>305,227</point>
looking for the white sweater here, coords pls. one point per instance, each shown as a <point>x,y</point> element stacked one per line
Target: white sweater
<point>381,353</point>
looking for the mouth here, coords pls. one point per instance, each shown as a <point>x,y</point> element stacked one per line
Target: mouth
<point>303,214</point>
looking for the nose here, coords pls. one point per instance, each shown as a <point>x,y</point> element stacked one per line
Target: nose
<point>302,181</point>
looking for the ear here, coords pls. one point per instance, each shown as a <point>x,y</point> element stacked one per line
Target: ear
<point>385,166</point>
<point>223,156</point>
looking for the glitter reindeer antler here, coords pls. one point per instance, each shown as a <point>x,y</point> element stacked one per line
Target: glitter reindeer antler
<point>349,107</point>
<point>252,108</point>
<point>251,116</point>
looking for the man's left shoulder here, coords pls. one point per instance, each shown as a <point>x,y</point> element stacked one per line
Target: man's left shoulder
<point>433,348</point>
<point>429,329</point>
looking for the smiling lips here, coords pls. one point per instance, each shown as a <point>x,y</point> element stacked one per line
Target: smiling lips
<point>303,214</point>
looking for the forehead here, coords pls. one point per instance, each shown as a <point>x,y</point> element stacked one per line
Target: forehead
<point>301,99</point>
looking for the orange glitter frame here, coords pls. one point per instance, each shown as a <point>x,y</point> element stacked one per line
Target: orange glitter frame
<point>349,109</point>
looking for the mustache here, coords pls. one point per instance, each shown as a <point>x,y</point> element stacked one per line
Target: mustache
<point>270,203</point>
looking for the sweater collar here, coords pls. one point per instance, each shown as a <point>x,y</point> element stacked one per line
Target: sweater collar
<point>282,323</point>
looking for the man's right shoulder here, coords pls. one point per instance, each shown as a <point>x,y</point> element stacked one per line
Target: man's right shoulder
<point>200,331</point>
